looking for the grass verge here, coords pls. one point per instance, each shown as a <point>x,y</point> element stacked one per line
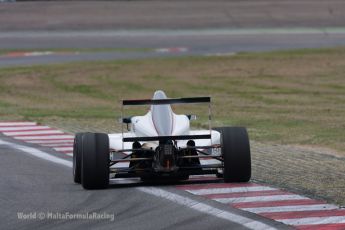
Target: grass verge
<point>285,97</point>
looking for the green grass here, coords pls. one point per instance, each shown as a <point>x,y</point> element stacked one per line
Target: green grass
<point>285,97</point>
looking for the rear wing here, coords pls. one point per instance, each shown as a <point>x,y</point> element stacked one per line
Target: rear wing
<point>185,100</point>
<point>165,138</point>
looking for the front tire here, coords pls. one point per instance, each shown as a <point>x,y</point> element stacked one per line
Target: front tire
<point>95,161</point>
<point>236,154</point>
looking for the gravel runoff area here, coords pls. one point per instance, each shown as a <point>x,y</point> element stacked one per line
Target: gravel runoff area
<point>312,172</point>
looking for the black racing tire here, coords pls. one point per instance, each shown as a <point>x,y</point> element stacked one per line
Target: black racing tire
<point>95,161</point>
<point>77,145</point>
<point>236,154</point>
<point>219,175</point>
<point>184,177</point>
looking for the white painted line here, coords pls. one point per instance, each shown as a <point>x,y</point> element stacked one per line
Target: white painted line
<point>37,153</point>
<point>4,124</point>
<point>23,128</point>
<point>37,53</point>
<point>294,208</point>
<point>314,220</point>
<point>174,32</point>
<point>162,50</point>
<point>44,137</point>
<point>209,191</point>
<point>69,154</point>
<point>69,141</point>
<point>63,148</point>
<point>33,132</point>
<point>172,50</point>
<point>221,54</point>
<point>205,208</point>
<point>259,198</point>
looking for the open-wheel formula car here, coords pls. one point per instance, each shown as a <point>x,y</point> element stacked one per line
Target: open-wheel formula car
<point>161,145</point>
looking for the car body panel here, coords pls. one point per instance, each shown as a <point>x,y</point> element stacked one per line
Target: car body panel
<point>160,120</point>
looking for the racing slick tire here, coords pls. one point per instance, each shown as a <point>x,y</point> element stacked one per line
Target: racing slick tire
<point>236,154</point>
<point>95,161</point>
<point>77,145</point>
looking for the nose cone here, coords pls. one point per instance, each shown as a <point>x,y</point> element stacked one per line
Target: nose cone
<point>162,116</point>
<point>159,94</point>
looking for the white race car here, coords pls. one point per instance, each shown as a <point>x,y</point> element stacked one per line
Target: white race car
<point>161,145</point>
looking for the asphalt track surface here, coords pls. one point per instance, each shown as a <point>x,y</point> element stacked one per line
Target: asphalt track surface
<point>194,43</point>
<point>202,27</point>
<point>170,14</point>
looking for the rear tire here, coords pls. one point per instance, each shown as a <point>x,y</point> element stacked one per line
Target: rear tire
<point>236,154</point>
<point>95,161</point>
<point>77,146</point>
